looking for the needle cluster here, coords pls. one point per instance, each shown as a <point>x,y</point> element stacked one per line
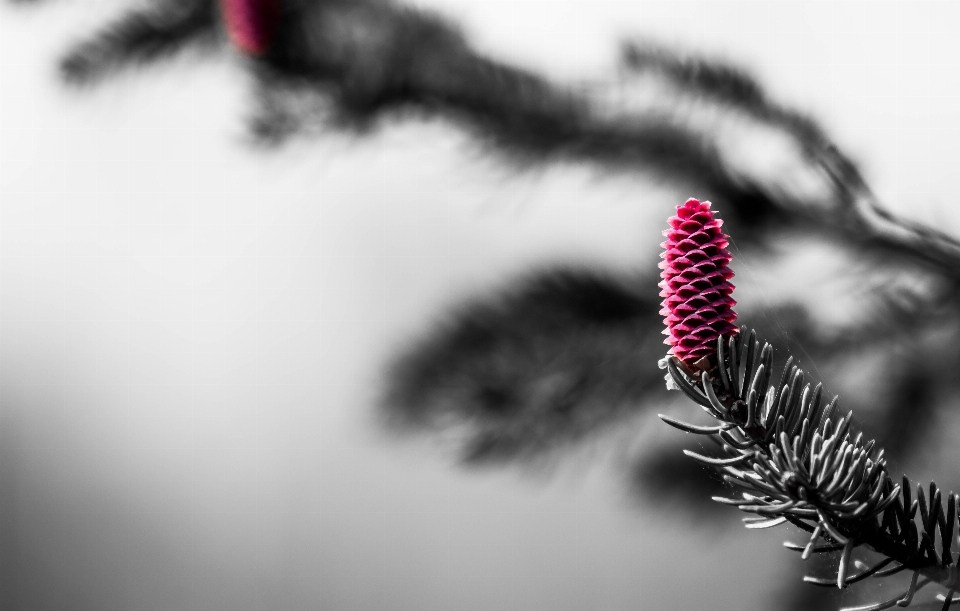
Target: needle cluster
<point>793,459</point>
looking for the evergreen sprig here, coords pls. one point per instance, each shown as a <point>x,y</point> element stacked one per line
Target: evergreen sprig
<point>794,459</point>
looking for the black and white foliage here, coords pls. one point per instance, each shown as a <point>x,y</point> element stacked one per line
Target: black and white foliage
<point>793,459</point>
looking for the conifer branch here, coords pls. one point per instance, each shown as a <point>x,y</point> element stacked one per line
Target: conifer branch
<point>784,448</point>
<point>792,458</point>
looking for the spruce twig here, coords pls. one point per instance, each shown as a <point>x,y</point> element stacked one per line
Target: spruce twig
<point>789,464</point>
<point>789,453</point>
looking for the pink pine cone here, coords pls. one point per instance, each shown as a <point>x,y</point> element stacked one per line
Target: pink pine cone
<point>696,283</point>
<point>251,23</point>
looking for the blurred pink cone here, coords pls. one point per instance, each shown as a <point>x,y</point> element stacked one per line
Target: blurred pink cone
<point>251,24</point>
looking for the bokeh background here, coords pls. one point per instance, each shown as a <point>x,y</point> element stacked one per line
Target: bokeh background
<point>231,375</point>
